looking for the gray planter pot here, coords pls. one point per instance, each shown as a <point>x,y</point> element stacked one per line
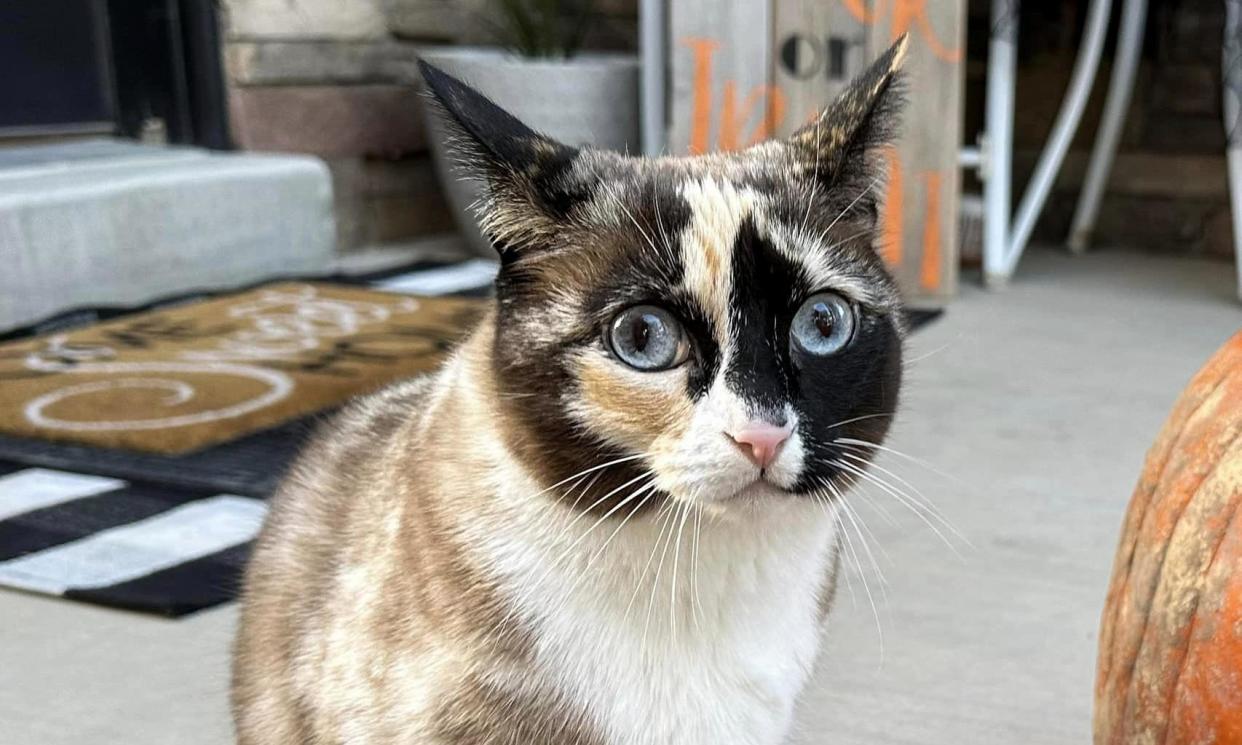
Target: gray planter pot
<point>587,100</point>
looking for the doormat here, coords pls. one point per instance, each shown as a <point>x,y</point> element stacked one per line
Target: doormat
<point>180,379</point>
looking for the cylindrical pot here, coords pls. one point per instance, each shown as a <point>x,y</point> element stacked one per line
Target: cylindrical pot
<point>591,99</point>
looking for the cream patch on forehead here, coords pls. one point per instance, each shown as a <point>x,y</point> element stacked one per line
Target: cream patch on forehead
<point>717,210</point>
<point>824,264</point>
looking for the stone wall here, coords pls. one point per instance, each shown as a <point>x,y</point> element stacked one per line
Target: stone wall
<point>338,79</point>
<point>332,79</point>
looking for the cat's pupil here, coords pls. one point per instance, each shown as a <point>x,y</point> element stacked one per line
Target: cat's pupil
<point>640,332</point>
<point>823,320</point>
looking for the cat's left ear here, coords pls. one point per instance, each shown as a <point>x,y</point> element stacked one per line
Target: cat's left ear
<point>841,147</point>
<point>522,171</point>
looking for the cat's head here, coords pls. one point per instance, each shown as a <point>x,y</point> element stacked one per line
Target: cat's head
<point>712,327</point>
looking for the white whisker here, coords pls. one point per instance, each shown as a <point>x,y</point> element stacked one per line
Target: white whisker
<point>864,417</point>
<point>914,507</point>
<point>696,606</point>
<point>664,511</point>
<point>899,454</point>
<point>585,471</point>
<point>861,524</point>
<point>925,355</point>
<point>647,237</point>
<point>913,493</point>
<point>590,484</point>
<point>672,612</point>
<point>851,205</point>
<point>668,245</point>
<point>606,515</point>
<point>876,506</point>
<point>655,583</point>
<point>815,175</point>
<point>853,552</point>
<point>647,492</point>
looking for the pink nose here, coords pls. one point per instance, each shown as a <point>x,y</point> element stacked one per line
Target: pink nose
<point>760,441</point>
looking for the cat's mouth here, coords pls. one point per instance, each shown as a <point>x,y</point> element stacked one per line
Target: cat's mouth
<point>761,486</point>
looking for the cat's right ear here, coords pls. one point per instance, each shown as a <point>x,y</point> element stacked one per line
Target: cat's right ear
<point>523,172</point>
<point>841,148</point>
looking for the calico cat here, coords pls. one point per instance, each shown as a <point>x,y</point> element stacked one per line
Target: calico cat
<point>611,518</point>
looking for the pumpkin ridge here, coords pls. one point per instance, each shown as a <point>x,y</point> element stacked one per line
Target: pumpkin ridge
<point>1146,512</point>
<point>1166,455</point>
<point>1194,619</point>
<point>1145,639</point>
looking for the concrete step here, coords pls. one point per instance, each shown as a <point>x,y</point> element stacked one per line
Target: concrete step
<point>118,223</point>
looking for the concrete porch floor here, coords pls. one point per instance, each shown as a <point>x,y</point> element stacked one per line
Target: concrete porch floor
<point>1037,404</point>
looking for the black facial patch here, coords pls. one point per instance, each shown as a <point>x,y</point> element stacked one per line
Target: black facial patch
<point>766,286</point>
<point>851,393</point>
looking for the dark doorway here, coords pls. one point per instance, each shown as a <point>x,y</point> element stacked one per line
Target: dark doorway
<point>56,55</point>
<point>113,66</point>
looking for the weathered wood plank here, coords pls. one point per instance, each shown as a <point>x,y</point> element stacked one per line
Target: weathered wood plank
<point>721,74</point>
<point>329,120</point>
<point>921,243</point>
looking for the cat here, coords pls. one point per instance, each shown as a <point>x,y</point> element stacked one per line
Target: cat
<point>611,517</point>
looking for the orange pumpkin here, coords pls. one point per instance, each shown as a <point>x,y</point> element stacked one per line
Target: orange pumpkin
<point>1170,665</point>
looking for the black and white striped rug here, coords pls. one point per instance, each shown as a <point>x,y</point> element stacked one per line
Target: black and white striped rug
<point>144,546</point>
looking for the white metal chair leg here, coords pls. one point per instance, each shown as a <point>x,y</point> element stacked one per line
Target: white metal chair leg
<point>1234,159</point>
<point>1120,89</point>
<point>1004,242</point>
<point>1062,131</point>
<point>997,148</point>
<point>1232,75</point>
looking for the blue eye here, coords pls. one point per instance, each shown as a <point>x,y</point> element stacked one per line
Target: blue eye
<point>824,324</point>
<point>647,338</point>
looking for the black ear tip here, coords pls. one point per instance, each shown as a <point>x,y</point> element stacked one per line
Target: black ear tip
<point>438,81</point>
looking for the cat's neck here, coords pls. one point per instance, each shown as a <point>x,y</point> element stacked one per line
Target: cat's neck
<point>726,607</point>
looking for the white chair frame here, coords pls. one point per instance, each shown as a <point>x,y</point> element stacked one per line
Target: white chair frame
<point>1003,241</point>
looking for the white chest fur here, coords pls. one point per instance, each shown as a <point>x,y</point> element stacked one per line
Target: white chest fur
<point>665,641</point>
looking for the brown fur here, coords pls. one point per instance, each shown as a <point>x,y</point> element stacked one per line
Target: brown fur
<point>637,414</point>
<point>361,561</point>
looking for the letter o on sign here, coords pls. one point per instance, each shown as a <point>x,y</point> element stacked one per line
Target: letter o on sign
<point>801,56</point>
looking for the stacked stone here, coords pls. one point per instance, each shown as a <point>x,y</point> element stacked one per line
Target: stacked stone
<point>338,80</point>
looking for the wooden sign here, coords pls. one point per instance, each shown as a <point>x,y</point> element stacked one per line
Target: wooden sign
<point>744,71</point>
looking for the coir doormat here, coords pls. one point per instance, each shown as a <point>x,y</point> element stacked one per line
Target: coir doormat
<point>184,378</point>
